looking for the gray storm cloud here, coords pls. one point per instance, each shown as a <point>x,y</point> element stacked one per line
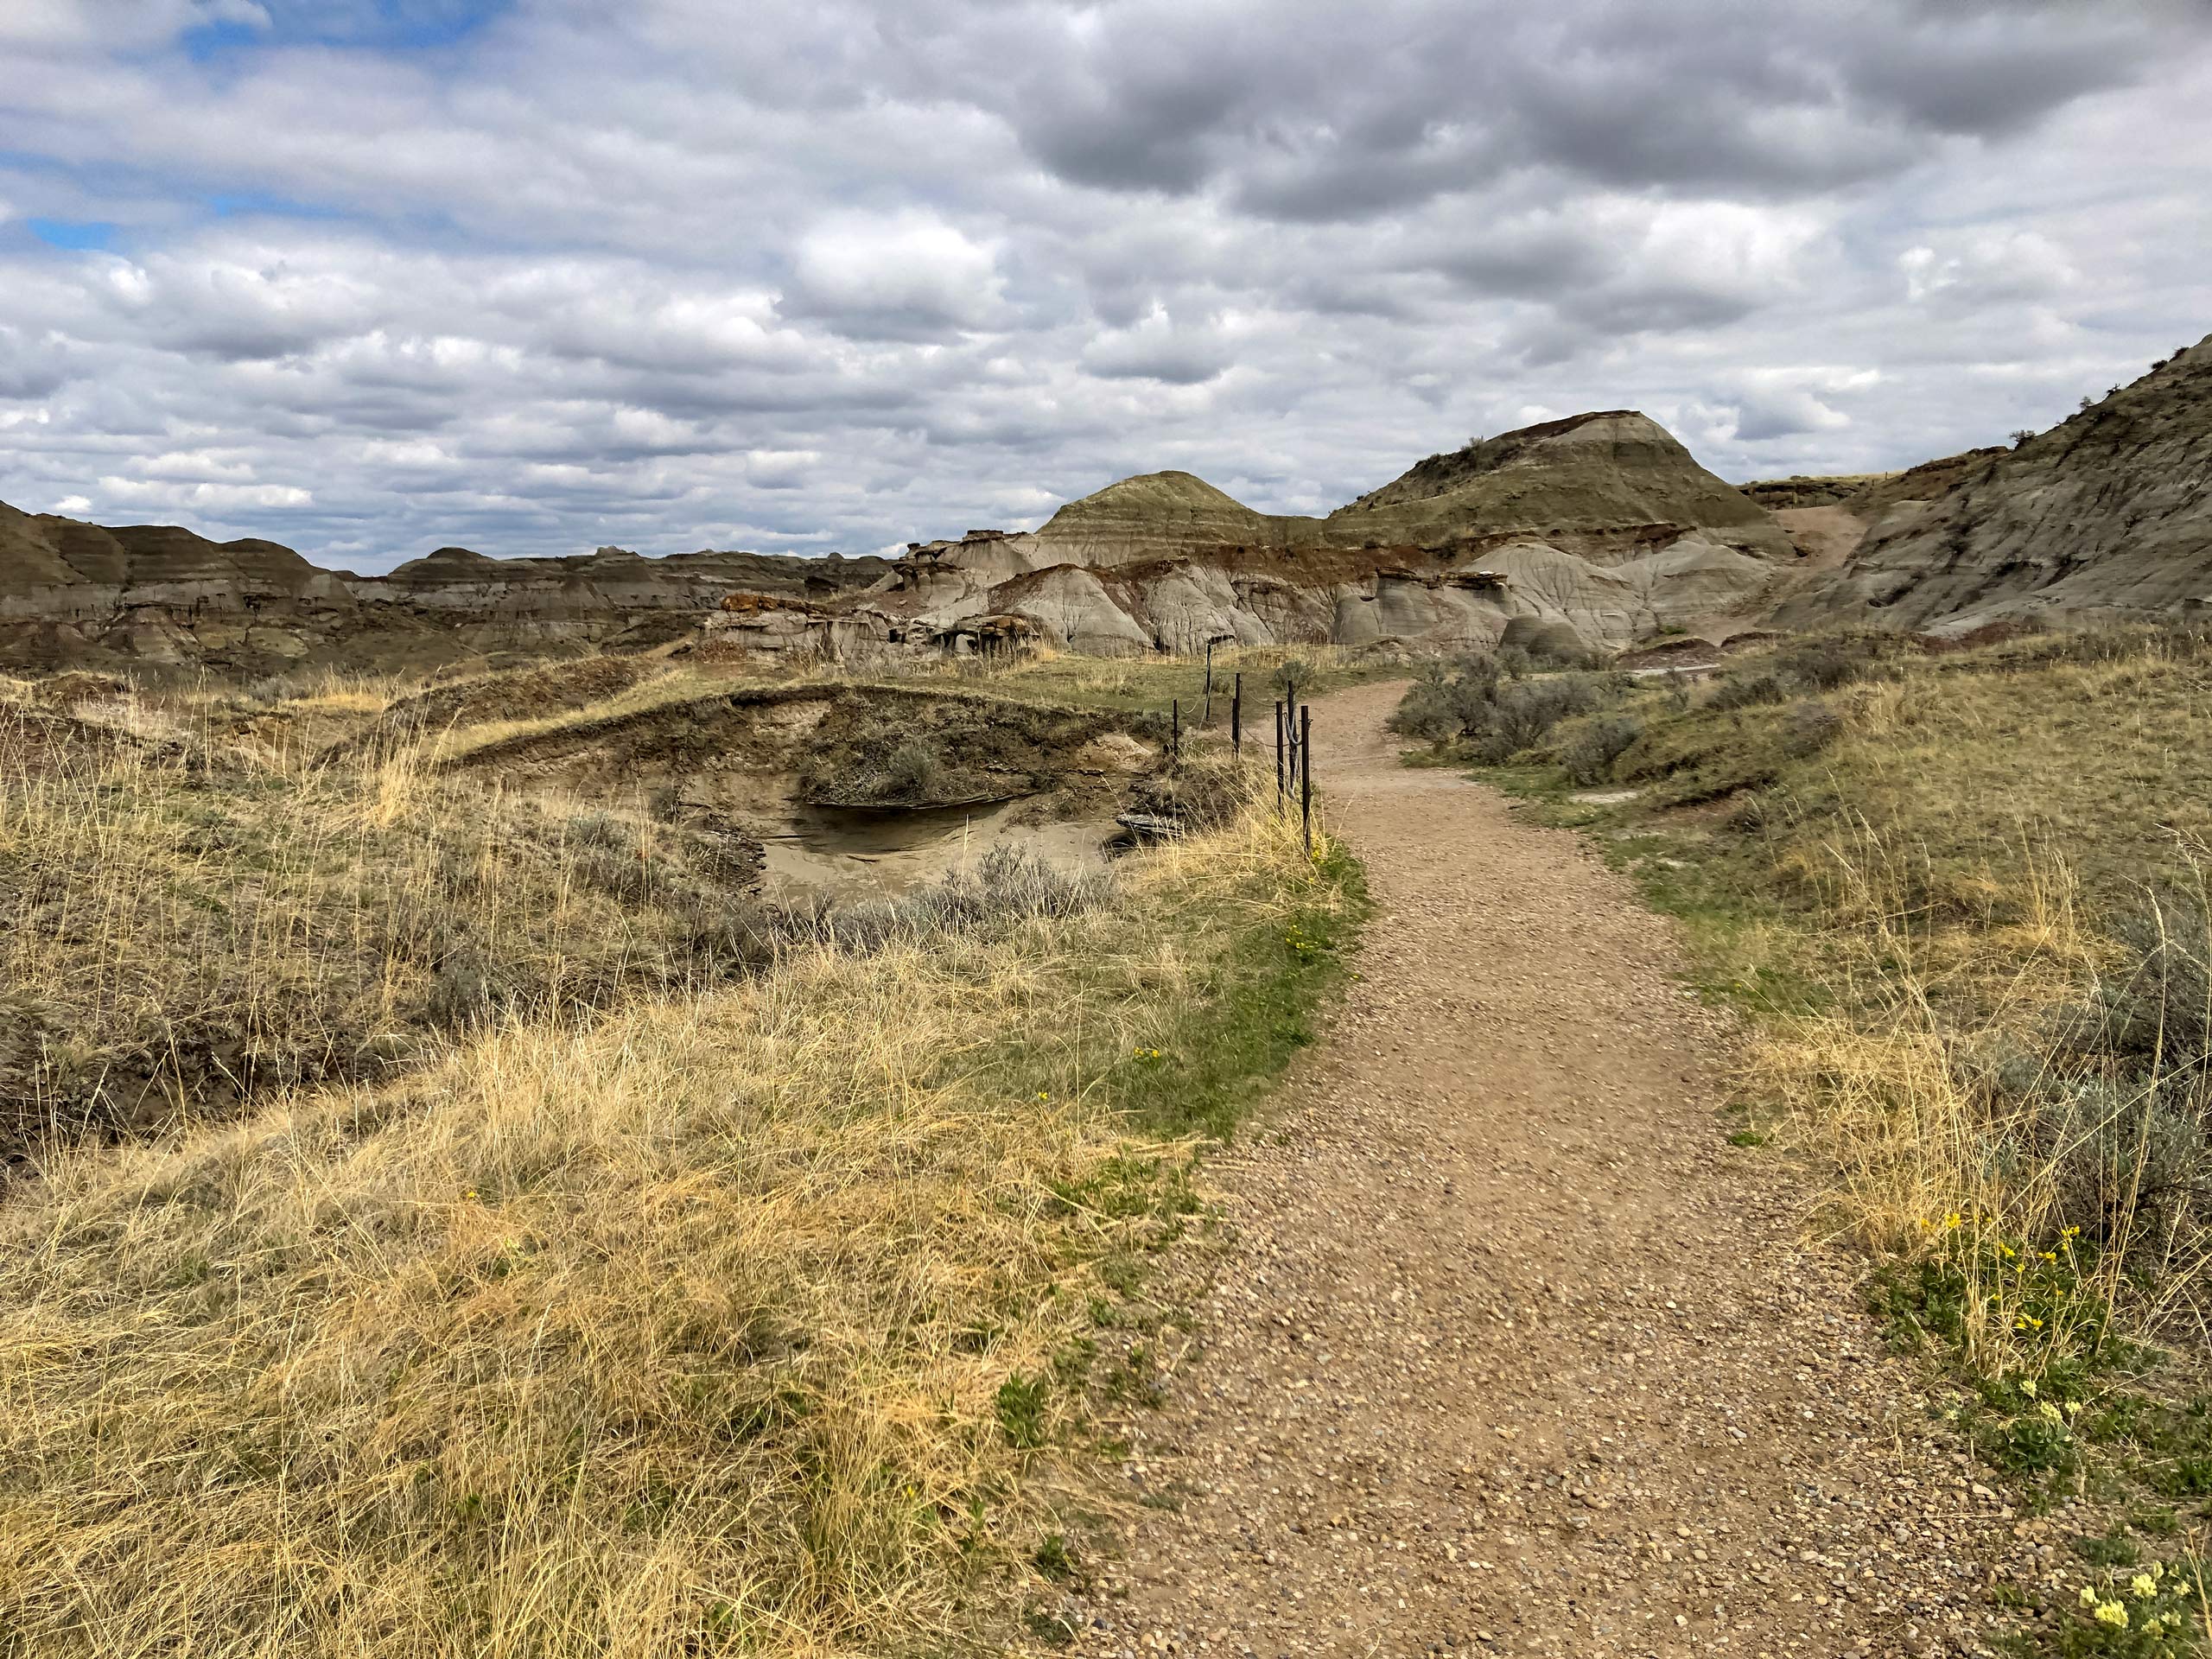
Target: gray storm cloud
<point>371,279</point>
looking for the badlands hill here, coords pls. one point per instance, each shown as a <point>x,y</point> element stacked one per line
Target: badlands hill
<point>1594,484</point>
<point>151,596</point>
<point>1601,528</point>
<point>2107,515</point>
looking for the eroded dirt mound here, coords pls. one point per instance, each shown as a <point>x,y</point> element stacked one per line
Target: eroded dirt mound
<point>879,751</point>
<point>760,749</point>
<point>1800,490</point>
<point>521,694</point>
<point>44,742</point>
<point>852,789</point>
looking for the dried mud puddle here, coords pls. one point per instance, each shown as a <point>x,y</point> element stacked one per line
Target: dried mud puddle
<point>864,852</point>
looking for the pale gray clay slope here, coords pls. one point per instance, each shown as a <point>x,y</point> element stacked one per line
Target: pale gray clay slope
<point>2108,515</point>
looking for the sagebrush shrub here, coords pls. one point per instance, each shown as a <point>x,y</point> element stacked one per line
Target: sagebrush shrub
<point>1588,759</point>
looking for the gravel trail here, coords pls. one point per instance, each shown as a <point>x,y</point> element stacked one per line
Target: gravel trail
<point>1513,1352</point>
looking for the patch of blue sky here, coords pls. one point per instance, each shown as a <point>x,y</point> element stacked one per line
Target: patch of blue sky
<point>76,235</point>
<point>379,25</point>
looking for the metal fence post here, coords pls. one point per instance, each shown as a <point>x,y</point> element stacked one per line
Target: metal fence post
<point>1279,780</point>
<point>1236,718</point>
<point>1175,733</point>
<point>1306,774</point>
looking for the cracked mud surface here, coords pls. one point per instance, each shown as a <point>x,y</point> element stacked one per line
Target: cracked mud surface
<point>1513,1352</point>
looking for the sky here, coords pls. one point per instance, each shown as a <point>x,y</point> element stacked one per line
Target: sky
<point>373,276</point>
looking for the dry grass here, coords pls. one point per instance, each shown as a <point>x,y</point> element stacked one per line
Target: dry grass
<point>188,915</point>
<point>1152,682</point>
<point>681,1331</point>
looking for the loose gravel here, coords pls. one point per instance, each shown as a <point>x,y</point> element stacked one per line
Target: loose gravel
<point>1513,1352</point>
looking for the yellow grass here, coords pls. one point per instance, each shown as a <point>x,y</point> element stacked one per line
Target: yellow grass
<point>1943,881</point>
<point>678,1333</point>
<point>185,918</point>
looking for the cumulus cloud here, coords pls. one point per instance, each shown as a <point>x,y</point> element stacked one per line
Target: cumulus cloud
<point>1158,348</point>
<point>906,276</point>
<point>1988,267</point>
<point>532,276</point>
<point>203,496</point>
<point>1788,403</point>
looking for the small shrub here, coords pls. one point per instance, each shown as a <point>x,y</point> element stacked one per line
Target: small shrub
<point>2152,1009</point>
<point>1427,710</point>
<point>1808,728</point>
<point>1053,1559</point>
<point>1588,759</point>
<point>1202,794</point>
<point>1008,885</point>
<point>913,772</point>
<point>1496,716</point>
<point>1746,690</point>
<point>1825,664</point>
<point>1809,665</point>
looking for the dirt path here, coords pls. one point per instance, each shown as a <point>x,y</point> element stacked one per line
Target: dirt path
<point>1514,1352</point>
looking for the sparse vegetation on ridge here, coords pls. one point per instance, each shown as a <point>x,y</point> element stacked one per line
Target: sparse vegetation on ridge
<point>1963,895</point>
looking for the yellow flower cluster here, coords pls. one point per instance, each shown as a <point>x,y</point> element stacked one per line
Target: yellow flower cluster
<point>2111,1607</point>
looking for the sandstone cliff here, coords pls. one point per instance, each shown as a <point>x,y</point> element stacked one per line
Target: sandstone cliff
<point>1602,522</point>
<point>2107,515</point>
<point>1612,484</point>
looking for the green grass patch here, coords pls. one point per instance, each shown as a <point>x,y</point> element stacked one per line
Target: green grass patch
<point>1259,1006</point>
